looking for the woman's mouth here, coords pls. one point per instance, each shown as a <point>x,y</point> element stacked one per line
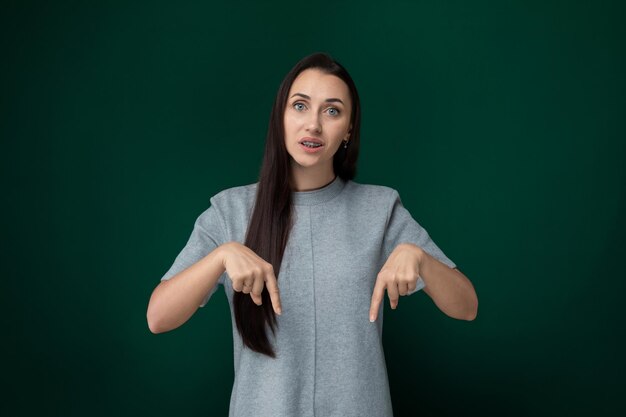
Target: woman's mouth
<point>310,149</point>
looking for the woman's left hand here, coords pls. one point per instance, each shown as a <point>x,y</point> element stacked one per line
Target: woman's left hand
<point>398,275</point>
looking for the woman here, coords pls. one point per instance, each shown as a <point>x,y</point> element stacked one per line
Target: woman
<point>305,288</point>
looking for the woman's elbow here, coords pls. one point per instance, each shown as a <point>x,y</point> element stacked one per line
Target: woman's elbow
<point>153,316</point>
<point>474,310</point>
<point>153,322</point>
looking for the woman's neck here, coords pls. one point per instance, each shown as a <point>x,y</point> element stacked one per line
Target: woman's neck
<point>304,182</point>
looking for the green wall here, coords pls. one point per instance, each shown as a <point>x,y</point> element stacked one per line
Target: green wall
<point>501,123</point>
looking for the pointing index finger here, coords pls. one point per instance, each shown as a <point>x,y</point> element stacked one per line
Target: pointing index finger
<point>272,288</point>
<point>377,298</point>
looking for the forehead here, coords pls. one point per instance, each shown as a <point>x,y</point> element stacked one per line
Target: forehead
<point>320,86</point>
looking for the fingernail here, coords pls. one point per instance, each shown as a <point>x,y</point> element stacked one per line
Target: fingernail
<point>280,311</point>
<point>371,319</point>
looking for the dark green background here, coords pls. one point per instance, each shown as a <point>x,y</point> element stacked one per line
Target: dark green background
<point>501,124</point>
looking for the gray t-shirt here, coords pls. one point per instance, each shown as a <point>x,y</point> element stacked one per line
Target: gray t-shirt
<point>329,356</point>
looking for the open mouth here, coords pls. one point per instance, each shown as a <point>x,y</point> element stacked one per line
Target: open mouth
<point>309,147</point>
<point>311,144</point>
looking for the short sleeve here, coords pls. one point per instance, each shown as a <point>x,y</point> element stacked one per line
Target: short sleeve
<point>207,234</point>
<point>402,228</point>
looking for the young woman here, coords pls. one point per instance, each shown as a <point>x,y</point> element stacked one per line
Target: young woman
<point>305,256</point>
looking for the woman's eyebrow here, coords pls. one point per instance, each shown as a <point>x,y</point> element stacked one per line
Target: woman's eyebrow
<point>328,100</point>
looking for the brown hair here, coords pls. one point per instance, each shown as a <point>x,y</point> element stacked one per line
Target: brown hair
<point>268,230</point>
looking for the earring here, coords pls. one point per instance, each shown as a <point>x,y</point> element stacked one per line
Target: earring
<point>345,144</point>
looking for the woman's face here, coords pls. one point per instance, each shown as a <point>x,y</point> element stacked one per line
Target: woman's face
<point>318,106</point>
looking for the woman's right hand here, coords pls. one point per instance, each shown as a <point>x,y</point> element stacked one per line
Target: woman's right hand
<point>249,273</point>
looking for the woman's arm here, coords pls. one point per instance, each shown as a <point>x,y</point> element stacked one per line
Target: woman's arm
<point>174,301</point>
<point>449,288</point>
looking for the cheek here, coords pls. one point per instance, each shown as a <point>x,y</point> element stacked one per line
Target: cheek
<point>290,118</point>
<point>340,129</point>
<point>288,123</point>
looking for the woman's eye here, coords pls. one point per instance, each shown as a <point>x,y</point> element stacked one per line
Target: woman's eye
<point>333,109</point>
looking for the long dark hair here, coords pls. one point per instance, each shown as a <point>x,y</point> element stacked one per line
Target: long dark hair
<point>268,230</point>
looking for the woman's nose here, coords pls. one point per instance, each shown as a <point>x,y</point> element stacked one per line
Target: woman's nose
<point>314,123</point>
